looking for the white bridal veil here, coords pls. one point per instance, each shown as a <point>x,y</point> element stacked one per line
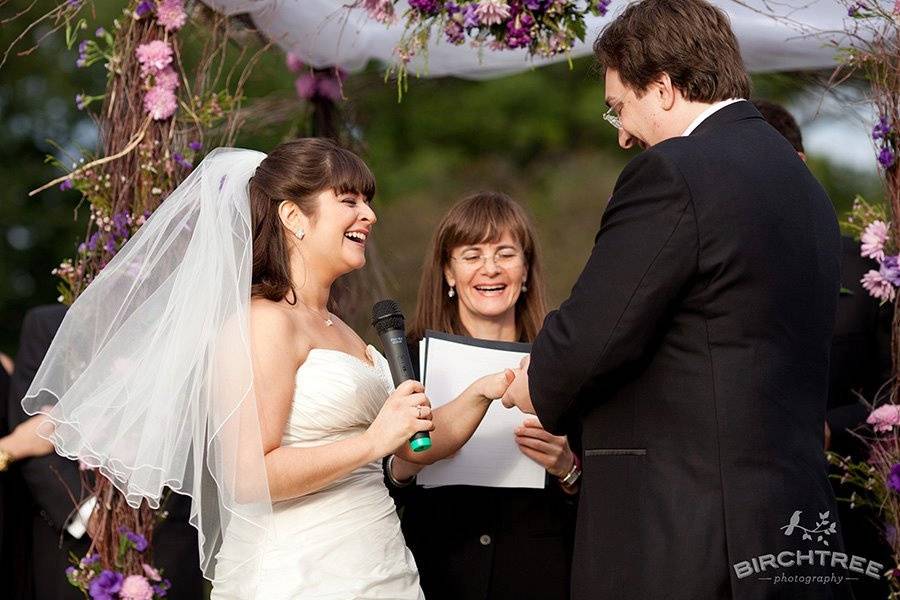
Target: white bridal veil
<point>150,375</point>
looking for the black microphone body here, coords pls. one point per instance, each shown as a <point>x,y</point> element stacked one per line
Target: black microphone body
<point>391,328</point>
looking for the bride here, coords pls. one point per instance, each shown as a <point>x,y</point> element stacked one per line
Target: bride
<point>207,357</point>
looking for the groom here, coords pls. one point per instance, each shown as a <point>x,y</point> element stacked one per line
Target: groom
<point>692,353</point>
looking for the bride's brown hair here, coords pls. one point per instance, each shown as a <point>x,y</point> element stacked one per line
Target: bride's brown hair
<point>296,171</point>
<point>480,218</point>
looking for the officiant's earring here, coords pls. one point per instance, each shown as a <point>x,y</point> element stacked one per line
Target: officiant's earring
<point>451,293</point>
<point>299,233</point>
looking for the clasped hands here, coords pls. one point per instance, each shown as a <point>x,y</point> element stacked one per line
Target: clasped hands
<point>548,450</point>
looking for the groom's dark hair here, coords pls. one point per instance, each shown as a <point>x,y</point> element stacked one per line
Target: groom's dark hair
<point>690,40</point>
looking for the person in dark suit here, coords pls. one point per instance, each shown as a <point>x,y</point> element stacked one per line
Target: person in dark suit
<point>693,349</point>
<point>860,365</point>
<point>55,484</point>
<point>470,542</point>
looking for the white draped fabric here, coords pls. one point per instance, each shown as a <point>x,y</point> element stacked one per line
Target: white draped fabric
<point>325,33</point>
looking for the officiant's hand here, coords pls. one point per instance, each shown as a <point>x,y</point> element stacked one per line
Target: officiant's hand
<point>550,451</point>
<point>517,393</point>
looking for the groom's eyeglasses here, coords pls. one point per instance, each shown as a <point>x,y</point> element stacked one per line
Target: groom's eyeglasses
<point>612,118</point>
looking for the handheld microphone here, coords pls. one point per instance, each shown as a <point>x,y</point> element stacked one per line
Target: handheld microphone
<point>388,321</point>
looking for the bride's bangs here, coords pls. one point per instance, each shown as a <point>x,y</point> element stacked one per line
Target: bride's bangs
<point>350,175</point>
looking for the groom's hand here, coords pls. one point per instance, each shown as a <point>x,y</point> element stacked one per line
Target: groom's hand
<point>517,393</point>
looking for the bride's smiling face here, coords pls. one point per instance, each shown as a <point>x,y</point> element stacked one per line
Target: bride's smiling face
<point>335,236</point>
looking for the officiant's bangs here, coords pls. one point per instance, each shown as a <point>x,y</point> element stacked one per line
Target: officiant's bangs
<point>483,218</point>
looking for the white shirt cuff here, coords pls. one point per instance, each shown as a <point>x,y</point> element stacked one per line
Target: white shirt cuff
<point>78,523</point>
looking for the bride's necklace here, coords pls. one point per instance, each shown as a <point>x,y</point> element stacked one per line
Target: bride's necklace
<point>328,321</point>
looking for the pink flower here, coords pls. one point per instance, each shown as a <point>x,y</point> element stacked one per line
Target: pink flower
<point>380,10</point>
<point>151,573</point>
<point>167,78</point>
<point>170,14</point>
<point>293,62</point>
<point>877,286</point>
<point>160,103</point>
<point>330,87</point>
<point>897,7</point>
<point>154,57</point>
<point>306,86</point>
<point>885,417</point>
<point>873,239</point>
<point>136,587</point>
<point>492,12</point>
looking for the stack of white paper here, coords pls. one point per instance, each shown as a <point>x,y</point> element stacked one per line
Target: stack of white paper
<point>491,458</point>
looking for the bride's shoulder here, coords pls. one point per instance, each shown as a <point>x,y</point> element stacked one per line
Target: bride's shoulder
<point>277,326</point>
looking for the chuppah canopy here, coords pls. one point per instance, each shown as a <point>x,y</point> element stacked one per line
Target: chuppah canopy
<point>325,33</point>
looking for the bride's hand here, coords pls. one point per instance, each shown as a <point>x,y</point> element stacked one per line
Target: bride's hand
<point>493,386</point>
<point>406,412</point>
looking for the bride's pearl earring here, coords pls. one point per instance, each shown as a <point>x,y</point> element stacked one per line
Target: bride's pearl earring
<point>451,293</point>
<point>524,287</point>
<point>299,233</point>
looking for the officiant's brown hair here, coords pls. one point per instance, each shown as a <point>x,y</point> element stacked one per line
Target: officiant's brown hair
<point>297,171</point>
<point>480,218</point>
<point>690,40</point>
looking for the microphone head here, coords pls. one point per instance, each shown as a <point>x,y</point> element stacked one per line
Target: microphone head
<point>386,315</point>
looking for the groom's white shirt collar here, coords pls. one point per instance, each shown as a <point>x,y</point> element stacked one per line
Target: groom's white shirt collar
<point>708,113</point>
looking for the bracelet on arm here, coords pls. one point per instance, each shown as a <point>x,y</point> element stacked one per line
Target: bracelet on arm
<point>570,478</point>
<point>389,467</point>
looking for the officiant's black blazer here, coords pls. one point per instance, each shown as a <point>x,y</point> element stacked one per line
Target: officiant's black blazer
<point>693,352</point>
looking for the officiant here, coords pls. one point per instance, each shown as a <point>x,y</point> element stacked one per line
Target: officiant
<point>482,279</point>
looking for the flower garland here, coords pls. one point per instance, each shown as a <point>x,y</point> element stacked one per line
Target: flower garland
<point>543,28</point>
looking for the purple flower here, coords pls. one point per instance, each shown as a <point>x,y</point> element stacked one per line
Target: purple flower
<point>90,559</point>
<point>603,7</point>
<point>160,589</point>
<point>66,185</point>
<point>196,146</point>
<point>882,129</point>
<point>890,270</point>
<point>144,8</point>
<point>470,16</point>
<point>893,481</point>
<point>83,48</point>
<point>106,585</point>
<point>74,2</point>
<point>139,541</point>
<point>428,7</point>
<point>81,101</point>
<point>70,571</point>
<point>886,157</point>
<point>93,240</point>
<point>100,32</point>
<point>454,32</point>
<point>533,4</point>
<point>110,245</point>
<point>120,223</point>
<point>181,161</point>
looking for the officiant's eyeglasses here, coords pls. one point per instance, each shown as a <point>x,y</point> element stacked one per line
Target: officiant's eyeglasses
<point>612,118</point>
<point>502,258</point>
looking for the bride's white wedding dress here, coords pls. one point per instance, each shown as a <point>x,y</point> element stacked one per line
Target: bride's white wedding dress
<point>343,541</point>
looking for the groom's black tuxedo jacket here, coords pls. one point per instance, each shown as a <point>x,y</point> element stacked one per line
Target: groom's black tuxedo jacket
<point>693,353</point>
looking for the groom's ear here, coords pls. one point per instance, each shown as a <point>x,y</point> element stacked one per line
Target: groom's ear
<point>665,90</point>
